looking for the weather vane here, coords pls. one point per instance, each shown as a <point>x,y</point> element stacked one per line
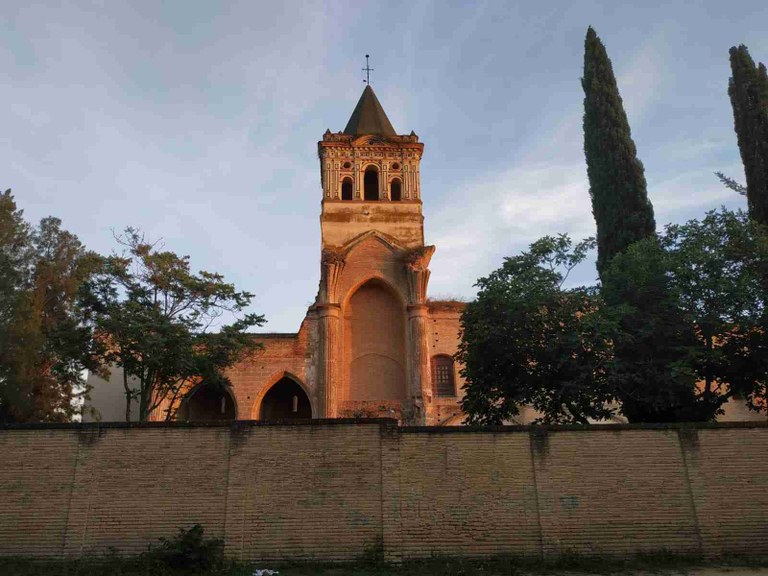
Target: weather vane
<point>367,71</point>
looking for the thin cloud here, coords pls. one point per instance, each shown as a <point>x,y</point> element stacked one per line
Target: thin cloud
<point>642,82</point>
<point>200,126</point>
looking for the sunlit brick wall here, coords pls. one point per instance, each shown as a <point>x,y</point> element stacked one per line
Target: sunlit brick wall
<point>334,490</point>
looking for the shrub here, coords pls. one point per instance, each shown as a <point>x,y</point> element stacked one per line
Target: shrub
<point>190,550</point>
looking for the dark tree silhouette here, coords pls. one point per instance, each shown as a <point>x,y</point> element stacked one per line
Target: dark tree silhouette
<point>617,185</point>
<point>748,89</point>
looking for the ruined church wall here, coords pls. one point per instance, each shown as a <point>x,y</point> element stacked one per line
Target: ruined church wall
<point>443,338</point>
<point>334,490</point>
<point>282,354</point>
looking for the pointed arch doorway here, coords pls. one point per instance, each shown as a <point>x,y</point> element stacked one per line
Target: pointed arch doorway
<point>285,400</point>
<point>208,403</point>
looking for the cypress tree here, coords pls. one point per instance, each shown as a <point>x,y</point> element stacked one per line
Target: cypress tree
<point>649,371</point>
<point>617,185</point>
<point>748,89</point>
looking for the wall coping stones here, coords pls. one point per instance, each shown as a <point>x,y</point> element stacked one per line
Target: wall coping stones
<point>389,423</point>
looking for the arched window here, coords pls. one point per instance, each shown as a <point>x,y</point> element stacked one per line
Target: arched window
<point>346,189</point>
<point>395,190</point>
<point>442,376</point>
<point>371,184</point>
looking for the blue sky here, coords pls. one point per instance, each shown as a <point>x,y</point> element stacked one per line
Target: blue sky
<point>198,121</point>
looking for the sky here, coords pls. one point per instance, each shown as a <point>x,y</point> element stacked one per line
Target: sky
<point>198,122</point>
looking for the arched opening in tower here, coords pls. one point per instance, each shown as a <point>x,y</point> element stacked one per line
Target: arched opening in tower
<point>371,184</point>
<point>396,190</point>
<point>375,337</point>
<point>285,400</point>
<point>346,189</point>
<point>207,403</point>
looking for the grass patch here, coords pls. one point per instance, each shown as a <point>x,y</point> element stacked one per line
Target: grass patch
<point>109,566</point>
<point>656,563</point>
<point>371,565</point>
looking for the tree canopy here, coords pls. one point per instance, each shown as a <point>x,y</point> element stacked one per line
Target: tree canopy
<point>163,325</point>
<point>528,341</point>
<point>689,301</point>
<point>45,344</point>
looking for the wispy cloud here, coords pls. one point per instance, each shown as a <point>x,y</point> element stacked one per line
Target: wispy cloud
<point>502,215</point>
<point>200,125</point>
<point>641,83</point>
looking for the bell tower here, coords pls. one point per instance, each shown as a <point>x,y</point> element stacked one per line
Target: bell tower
<point>373,356</point>
<point>370,178</point>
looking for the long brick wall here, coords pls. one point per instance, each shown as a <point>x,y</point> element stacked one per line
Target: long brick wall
<point>334,490</point>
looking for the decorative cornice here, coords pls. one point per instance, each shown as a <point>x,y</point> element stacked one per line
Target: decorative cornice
<point>330,274</point>
<point>416,264</point>
<point>332,256</point>
<point>419,258</point>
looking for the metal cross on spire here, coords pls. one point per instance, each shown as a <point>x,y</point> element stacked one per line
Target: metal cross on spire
<point>367,71</point>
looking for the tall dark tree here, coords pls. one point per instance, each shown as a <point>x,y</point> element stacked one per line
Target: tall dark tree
<point>748,89</point>
<point>617,185</point>
<point>653,382</point>
<point>14,253</point>
<point>44,342</point>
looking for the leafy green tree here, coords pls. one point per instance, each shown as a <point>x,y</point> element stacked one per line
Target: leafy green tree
<point>748,90</point>
<point>528,341</point>
<point>14,247</point>
<point>680,332</point>
<point>652,370</point>
<point>617,184</point>
<point>14,252</point>
<point>44,343</point>
<point>716,266</point>
<point>691,302</point>
<point>160,323</point>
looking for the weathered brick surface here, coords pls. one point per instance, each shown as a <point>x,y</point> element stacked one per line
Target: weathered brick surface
<point>467,493</point>
<point>332,490</point>
<point>36,473</point>
<point>728,470</point>
<point>300,492</point>
<point>443,339</point>
<point>133,486</point>
<point>604,492</point>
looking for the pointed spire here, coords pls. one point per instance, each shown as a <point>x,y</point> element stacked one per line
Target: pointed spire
<point>369,117</point>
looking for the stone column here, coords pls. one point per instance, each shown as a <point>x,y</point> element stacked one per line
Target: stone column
<point>329,360</point>
<point>419,380</point>
<point>326,178</point>
<point>329,334</point>
<point>420,390</point>
<point>358,182</point>
<point>384,194</point>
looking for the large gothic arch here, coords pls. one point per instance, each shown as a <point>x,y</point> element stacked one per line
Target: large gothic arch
<point>375,342</point>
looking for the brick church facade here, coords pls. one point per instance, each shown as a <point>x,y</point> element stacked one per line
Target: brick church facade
<point>372,344</point>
